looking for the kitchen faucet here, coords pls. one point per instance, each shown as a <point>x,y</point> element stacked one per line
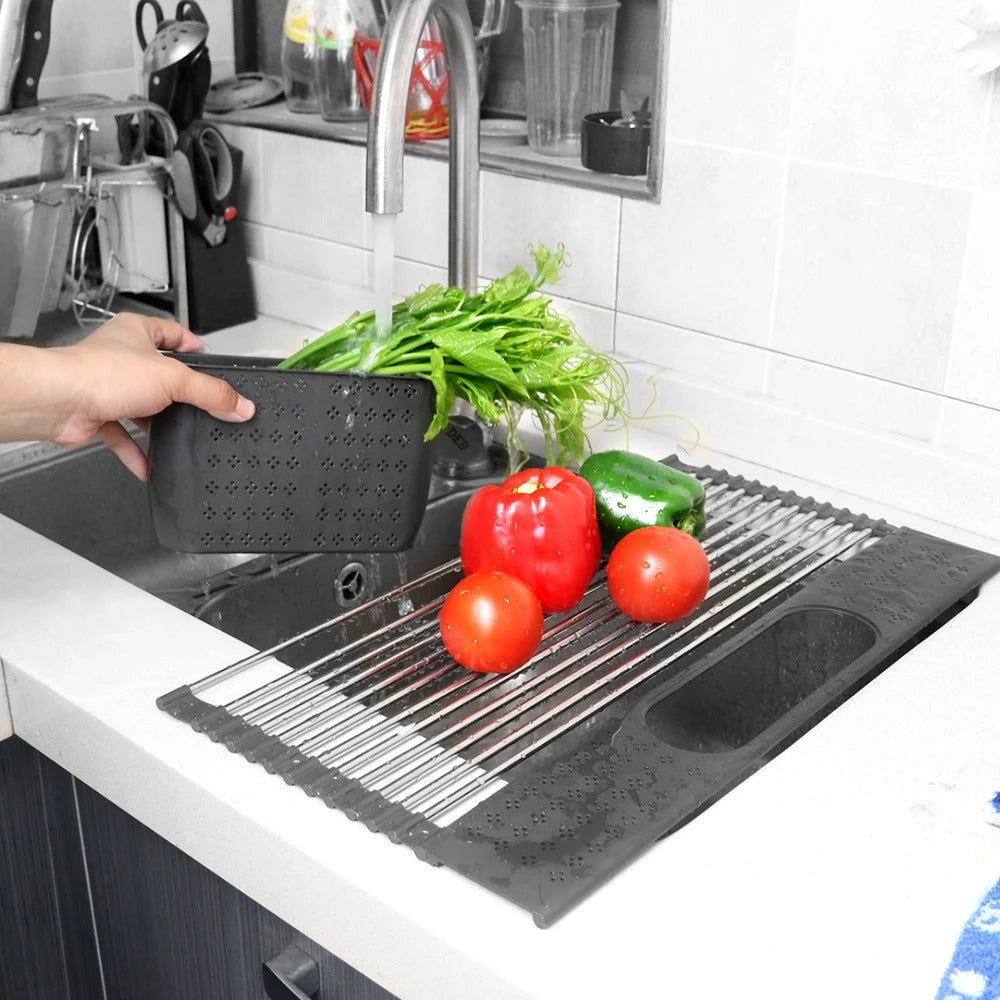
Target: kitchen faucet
<point>387,125</point>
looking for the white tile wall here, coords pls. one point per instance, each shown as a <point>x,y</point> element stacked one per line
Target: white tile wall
<point>422,227</point>
<point>704,258</point>
<point>816,290</point>
<point>974,372</point>
<point>869,274</point>
<point>990,167</point>
<point>973,431</point>
<point>731,73</point>
<point>693,356</point>
<point>315,188</point>
<point>316,258</point>
<point>857,401</point>
<point>518,212</point>
<point>878,87</point>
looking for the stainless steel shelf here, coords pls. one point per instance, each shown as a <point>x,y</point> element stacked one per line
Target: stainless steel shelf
<point>496,154</point>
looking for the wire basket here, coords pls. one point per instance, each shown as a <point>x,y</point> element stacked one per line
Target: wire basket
<point>427,111</point>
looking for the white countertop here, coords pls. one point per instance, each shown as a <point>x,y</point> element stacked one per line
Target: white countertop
<point>845,868</point>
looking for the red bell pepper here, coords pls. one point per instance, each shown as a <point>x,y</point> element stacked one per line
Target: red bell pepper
<point>539,525</point>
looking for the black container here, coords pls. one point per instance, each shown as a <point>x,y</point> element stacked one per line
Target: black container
<point>330,462</point>
<point>220,286</point>
<point>614,149</point>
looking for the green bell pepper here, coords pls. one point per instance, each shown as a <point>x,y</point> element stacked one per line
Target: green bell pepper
<point>634,492</point>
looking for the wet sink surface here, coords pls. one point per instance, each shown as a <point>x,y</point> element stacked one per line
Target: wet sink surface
<point>86,501</point>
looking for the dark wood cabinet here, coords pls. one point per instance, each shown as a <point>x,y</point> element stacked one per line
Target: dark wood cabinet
<point>47,944</point>
<point>81,871</point>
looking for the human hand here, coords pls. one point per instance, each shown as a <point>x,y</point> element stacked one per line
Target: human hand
<point>70,395</point>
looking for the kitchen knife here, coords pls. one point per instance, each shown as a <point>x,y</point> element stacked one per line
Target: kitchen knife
<point>34,52</point>
<point>194,78</point>
<point>12,18</point>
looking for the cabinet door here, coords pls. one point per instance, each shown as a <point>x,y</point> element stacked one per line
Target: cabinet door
<point>169,928</point>
<point>47,946</point>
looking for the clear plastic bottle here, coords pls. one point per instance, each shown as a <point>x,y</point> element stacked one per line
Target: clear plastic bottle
<point>298,56</point>
<point>336,80</point>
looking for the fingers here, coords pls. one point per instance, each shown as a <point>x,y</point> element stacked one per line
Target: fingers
<point>170,336</point>
<point>212,394</point>
<point>124,446</point>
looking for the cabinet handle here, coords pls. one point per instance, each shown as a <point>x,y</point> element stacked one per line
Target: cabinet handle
<point>290,975</point>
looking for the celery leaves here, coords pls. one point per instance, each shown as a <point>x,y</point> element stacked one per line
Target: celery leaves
<point>504,350</point>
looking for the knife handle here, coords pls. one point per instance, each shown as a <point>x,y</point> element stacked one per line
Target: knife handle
<point>34,52</point>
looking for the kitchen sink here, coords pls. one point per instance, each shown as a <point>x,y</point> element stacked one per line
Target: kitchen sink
<point>731,704</point>
<point>86,501</point>
<point>541,784</point>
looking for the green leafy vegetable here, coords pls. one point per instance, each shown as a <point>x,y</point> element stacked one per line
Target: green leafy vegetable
<point>503,350</point>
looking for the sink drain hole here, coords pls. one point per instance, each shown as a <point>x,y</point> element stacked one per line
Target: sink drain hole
<point>350,584</point>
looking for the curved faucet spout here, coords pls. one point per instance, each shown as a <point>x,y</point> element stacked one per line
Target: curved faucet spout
<point>387,124</point>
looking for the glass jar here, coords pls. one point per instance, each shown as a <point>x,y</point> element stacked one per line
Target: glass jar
<point>336,80</point>
<point>298,56</point>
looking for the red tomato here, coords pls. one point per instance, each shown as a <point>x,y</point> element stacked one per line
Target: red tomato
<point>657,574</point>
<point>491,622</point>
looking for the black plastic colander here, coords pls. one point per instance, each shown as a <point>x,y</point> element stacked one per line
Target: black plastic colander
<point>330,462</point>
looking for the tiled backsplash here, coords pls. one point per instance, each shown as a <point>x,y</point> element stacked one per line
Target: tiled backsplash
<point>815,291</point>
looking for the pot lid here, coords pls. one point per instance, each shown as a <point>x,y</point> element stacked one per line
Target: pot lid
<point>245,90</point>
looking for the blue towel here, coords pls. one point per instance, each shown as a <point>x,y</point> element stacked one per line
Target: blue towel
<point>974,971</point>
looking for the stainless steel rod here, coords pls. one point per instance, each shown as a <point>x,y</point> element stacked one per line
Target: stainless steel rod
<point>494,681</point>
<point>415,758</point>
<point>275,690</point>
<point>329,684</point>
<point>289,709</point>
<point>405,737</point>
<point>331,730</point>
<point>395,788</point>
<point>234,669</point>
<point>294,680</point>
<point>708,611</point>
<point>480,778</point>
<point>421,801</point>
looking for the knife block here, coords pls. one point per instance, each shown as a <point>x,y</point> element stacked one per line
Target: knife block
<point>220,291</point>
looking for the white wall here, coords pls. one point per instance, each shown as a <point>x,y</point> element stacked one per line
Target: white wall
<point>817,289</point>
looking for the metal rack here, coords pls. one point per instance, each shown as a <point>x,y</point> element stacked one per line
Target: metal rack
<point>388,728</point>
<point>53,192</point>
<point>542,784</point>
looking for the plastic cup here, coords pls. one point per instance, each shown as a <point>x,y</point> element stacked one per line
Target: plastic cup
<point>569,48</point>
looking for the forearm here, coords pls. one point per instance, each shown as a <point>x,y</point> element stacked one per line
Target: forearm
<point>37,392</point>
<point>71,394</point>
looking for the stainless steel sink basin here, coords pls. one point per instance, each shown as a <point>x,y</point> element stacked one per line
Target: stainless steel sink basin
<point>88,502</point>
